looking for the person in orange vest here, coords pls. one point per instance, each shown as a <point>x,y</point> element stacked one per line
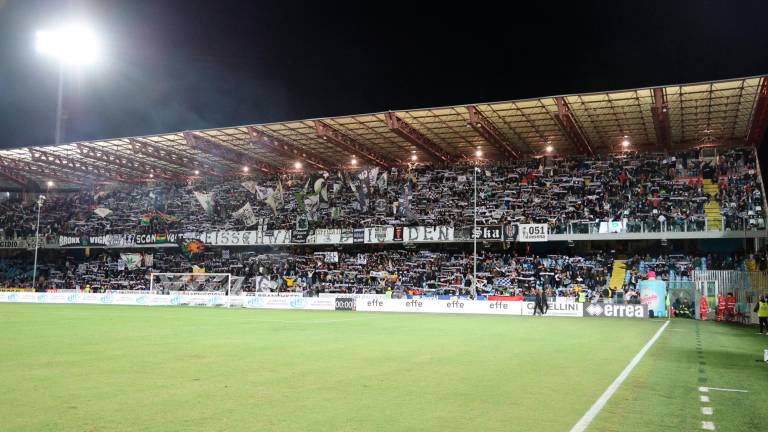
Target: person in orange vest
<point>704,307</point>
<point>720,308</point>
<point>730,307</point>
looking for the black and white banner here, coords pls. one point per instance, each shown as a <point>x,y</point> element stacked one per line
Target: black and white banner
<point>533,232</point>
<point>493,232</point>
<point>22,243</point>
<point>243,238</point>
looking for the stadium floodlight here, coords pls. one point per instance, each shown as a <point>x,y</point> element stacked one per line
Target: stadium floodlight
<point>479,153</point>
<point>625,142</point>
<point>297,165</point>
<point>49,184</point>
<point>474,240</point>
<point>245,169</point>
<point>354,161</point>
<point>197,172</point>
<point>40,201</point>
<point>549,149</point>
<point>71,45</point>
<point>413,157</point>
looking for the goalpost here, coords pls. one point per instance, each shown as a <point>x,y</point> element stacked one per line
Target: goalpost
<point>204,285</point>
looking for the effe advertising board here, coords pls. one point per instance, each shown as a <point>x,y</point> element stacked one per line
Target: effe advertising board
<point>346,302</point>
<point>439,306</point>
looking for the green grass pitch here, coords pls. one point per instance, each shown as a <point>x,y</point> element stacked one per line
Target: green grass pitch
<point>123,368</point>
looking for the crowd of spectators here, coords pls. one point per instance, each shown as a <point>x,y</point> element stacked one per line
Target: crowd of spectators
<point>645,192</point>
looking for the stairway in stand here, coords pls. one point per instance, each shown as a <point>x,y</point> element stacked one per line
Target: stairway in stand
<point>618,275</point>
<point>712,208</point>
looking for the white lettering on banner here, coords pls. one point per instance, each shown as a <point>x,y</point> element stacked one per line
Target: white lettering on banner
<point>428,234</point>
<point>118,240</point>
<point>242,238</point>
<point>556,309</point>
<point>439,306</point>
<point>532,232</point>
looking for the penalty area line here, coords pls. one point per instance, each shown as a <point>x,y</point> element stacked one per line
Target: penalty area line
<point>595,409</point>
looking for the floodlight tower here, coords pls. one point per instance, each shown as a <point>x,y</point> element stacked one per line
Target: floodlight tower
<point>72,45</point>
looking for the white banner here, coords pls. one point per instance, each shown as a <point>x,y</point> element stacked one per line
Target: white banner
<point>379,234</point>
<point>567,309</point>
<point>363,302</point>
<point>330,236</point>
<point>313,303</point>
<point>428,234</point>
<point>440,306</point>
<point>243,238</point>
<point>532,232</point>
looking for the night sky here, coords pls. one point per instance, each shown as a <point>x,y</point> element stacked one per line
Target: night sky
<point>179,65</point>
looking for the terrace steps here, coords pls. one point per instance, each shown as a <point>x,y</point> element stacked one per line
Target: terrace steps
<point>712,208</point>
<point>618,275</point>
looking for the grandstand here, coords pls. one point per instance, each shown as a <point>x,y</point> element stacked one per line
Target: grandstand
<point>607,203</point>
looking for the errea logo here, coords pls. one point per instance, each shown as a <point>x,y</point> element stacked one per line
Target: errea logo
<point>616,311</point>
<point>594,309</point>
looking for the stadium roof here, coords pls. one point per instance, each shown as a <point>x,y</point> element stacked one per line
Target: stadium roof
<point>667,118</point>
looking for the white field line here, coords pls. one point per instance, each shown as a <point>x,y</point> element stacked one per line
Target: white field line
<point>301,321</point>
<point>593,411</point>
<point>706,389</point>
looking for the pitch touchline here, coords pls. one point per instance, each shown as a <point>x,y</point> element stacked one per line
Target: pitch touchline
<point>595,409</point>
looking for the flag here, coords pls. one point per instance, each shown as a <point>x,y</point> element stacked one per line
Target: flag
<point>145,219</point>
<point>362,197</point>
<point>191,247</point>
<point>263,193</point>
<point>312,203</point>
<point>103,212</point>
<point>299,196</point>
<point>246,215</point>
<point>279,198</point>
<point>272,202</point>
<point>250,186</point>
<point>382,182</point>
<point>372,174</point>
<point>132,260</point>
<point>206,201</point>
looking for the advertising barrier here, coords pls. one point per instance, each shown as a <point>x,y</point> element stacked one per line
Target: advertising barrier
<point>561,309</point>
<point>310,303</point>
<point>439,306</point>
<point>347,302</point>
<point>615,311</point>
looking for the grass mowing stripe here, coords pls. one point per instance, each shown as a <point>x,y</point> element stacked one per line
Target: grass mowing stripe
<point>590,415</point>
